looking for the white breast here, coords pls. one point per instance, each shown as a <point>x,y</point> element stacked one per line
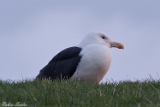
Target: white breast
<point>95,62</point>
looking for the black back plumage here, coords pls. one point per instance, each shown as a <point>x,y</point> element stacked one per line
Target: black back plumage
<point>62,66</point>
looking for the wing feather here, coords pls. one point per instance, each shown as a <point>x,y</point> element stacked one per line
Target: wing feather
<point>63,65</point>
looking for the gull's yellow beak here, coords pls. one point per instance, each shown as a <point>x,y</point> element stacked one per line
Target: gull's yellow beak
<point>117,45</point>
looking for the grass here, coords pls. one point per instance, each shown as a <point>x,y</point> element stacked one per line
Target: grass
<point>72,94</point>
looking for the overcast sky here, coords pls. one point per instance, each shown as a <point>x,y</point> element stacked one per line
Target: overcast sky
<point>33,31</point>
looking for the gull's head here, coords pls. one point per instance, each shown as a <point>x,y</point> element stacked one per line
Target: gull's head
<point>98,38</point>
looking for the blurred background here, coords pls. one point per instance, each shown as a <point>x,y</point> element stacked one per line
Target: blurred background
<point>33,31</point>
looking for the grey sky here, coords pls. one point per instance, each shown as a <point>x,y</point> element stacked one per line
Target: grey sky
<point>32,32</point>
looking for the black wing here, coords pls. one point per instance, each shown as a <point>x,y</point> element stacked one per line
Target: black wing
<point>62,66</point>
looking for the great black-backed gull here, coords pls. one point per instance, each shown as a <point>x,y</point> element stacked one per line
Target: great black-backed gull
<point>87,62</point>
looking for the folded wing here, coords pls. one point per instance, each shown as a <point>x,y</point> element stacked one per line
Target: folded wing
<point>62,66</point>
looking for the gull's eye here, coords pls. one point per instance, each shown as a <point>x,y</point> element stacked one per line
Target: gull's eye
<point>103,37</point>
